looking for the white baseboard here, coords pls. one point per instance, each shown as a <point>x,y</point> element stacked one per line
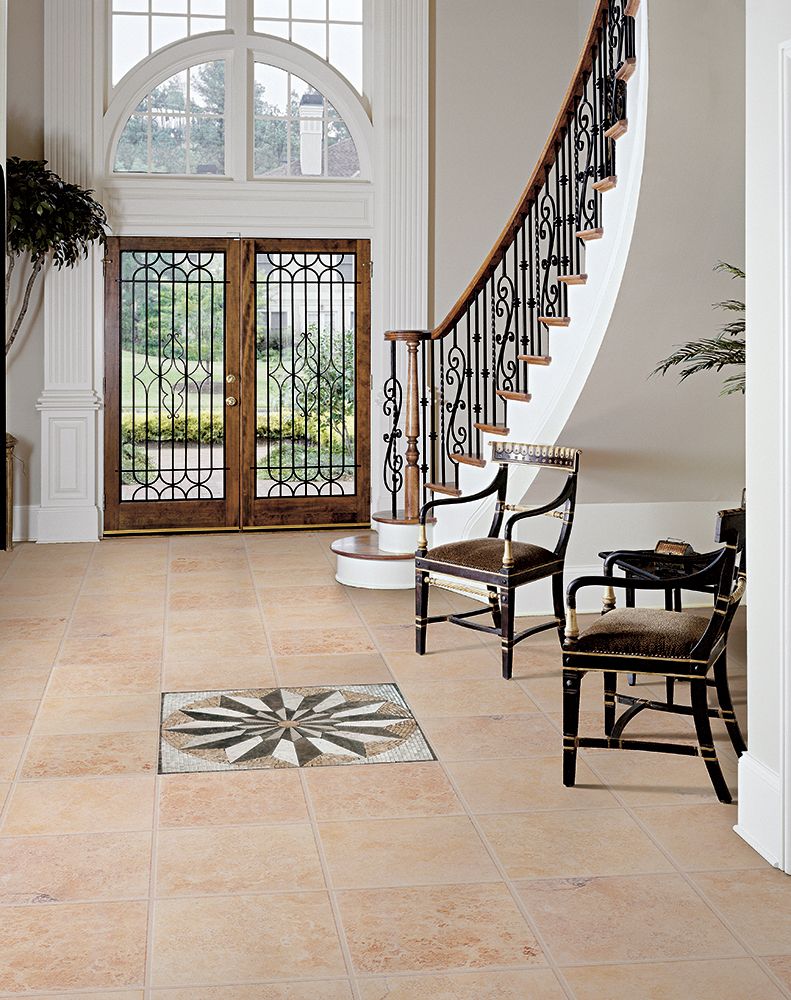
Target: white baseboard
<point>68,524</point>
<point>26,523</point>
<point>761,809</point>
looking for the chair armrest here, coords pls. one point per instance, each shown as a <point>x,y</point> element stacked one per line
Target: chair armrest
<point>491,488</point>
<point>543,509</point>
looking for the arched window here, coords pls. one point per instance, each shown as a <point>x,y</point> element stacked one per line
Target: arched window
<point>297,132</point>
<point>179,128</point>
<point>140,27</point>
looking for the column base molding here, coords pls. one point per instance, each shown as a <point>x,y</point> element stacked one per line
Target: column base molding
<point>68,524</point>
<point>760,809</point>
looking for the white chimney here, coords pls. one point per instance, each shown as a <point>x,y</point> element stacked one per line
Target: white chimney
<point>311,134</point>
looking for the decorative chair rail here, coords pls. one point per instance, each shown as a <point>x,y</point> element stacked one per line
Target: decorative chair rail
<point>461,376</point>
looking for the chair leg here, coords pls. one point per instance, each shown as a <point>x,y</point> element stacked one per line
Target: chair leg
<point>726,705</point>
<point>670,689</point>
<point>629,599</point>
<point>700,712</point>
<point>421,610</point>
<point>571,724</point>
<point>559,605</point>
<point>507,631</point>
<point>494,602</point>
<point>610,684</point>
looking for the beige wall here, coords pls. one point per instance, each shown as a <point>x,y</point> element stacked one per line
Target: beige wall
<point>499,74</point>
<point>651,440</point>
<point>25,138</point>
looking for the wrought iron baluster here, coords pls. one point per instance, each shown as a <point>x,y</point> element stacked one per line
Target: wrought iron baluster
<point>391,407</point>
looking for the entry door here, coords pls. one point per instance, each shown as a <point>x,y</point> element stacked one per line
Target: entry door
<point>236,397</point>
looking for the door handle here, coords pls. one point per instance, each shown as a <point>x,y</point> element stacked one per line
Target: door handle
<point>230,400</point>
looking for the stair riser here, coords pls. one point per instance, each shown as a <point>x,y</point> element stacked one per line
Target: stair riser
<point>399,537</point>
<point>374,574</point>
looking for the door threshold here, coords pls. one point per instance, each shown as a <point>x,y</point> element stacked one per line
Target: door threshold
<point>119,532</point>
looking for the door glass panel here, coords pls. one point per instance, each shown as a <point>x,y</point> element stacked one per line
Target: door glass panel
<point>305,374</point>
<point>172,327</point>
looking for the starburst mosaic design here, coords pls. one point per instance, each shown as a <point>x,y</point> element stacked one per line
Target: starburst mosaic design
<point>288,727</point>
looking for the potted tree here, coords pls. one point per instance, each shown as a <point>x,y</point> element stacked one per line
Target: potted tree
<point>48,222</point>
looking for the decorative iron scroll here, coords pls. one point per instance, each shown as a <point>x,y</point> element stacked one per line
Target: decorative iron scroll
<point>480,356</point>
<point>172,328</point>
<point>305,377</point>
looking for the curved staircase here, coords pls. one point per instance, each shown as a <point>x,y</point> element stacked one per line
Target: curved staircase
<point>488,370</point>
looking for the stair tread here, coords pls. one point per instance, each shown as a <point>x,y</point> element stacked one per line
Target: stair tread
<point>626,68</point>
<point>618,129</point>
<point>449,488</point>
<point>554,320</point>
<point>386,517</point>
<point>363,547</point>
<point>518,397</point>
<point>632,6</point>
<point>535,359</point>
<point>493,429</point>
<point>573,279</point>
<point>478,463</point>
<point>606,183</point>
<point>590,234</point>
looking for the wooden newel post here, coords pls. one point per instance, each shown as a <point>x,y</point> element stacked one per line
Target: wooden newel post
<point>412,339</point>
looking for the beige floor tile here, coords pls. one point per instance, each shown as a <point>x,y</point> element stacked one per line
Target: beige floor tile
<point>199,599</point>
<point>216,644</point>
<point>492,737</point>
<point>378,791</point>
<point>436,928</point>
<point>100,679</point>
<point>244,939</point>
<point>5,789</point>
<point>401,639</point>
<point>729,979</point>
<point>700,837</point>
<point>18,716</point>
<point>348,668</point>
<point>80,805</point>
<point>641,778</point>
<point>313,641</point>
<point>314,576</point>
<point>101,650</point>
<point>52,603</point>
<point>80,867</point>
<point>313,990</point>
<point>527,784</point>
<point>117,625</point>
<point>217,673</point>
<point>781,967</point>
<point>26,682</point>
<point>87,945</point>
<point>10,755</point>
<point>242,859</point>
<point>756,903</point>
<point>433,699</point>
<point>363,854</point>
<point>442,665</point>
<point>68,756</point>
<point>34,629</point>
<point>243,620</point>
<point>109,599</point>
<point>537,984</point>
<point>224,797</point>
<point>36,652</point>
<point>115,995</point>
<point>105,714</point>
<point>572,844</point>
<point>606,920</point>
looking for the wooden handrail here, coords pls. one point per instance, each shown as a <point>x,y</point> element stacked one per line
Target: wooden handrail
<point>537,178</point>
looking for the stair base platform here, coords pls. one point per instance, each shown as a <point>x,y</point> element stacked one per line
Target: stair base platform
<point>362,563</point>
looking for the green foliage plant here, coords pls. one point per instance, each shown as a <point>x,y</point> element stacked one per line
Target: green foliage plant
<point>715,353</point>
<point>47,220</point>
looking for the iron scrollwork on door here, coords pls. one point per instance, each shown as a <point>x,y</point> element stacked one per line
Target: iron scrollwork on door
<point>305,374</point>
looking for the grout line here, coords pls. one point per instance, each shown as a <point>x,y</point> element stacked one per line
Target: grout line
<point>152,883</point>
<point>333,901</point>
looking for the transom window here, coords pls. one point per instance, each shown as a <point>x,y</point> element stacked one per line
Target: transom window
<point>333,29</point>
<point>140,27</point>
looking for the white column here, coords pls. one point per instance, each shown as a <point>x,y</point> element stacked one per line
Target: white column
<point>70,401</point>
<point>400,252</point>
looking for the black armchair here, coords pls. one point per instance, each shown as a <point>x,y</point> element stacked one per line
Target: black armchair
<point>500,565</point>
<point>683,647</point>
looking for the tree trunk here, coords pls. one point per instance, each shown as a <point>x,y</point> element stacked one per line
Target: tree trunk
<point>11,258</point>
<point>37,266</point>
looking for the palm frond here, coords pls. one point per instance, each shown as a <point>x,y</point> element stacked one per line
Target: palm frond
<point>733,383</point>
<point>732,269</point>
<point>733,305</point>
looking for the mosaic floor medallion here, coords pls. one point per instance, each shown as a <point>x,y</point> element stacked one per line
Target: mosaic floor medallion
<point>288,727</point>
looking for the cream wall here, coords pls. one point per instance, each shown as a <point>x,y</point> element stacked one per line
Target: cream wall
<point>651,440</point>
<point>499,74</point>
<point>25,138</point>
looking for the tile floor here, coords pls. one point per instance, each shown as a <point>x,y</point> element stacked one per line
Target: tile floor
<point>473,877</point>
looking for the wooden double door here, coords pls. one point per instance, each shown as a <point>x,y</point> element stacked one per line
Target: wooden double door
<point>237,383</point>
